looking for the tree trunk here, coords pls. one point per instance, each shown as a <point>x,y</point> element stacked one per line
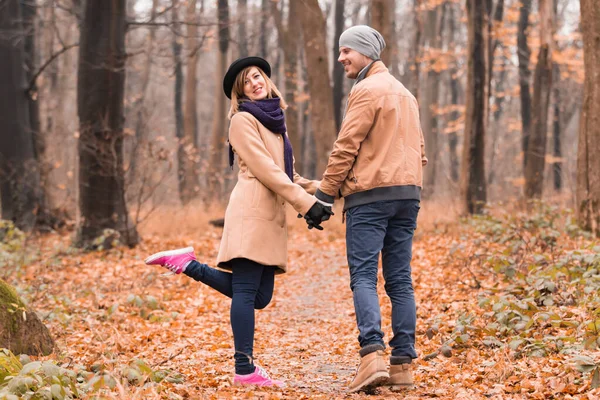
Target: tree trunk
<point>473,183</point>
<point>430,105</point>
<point>588,162</point>
<point>556,135</point>
<point>416,50</point>
<point>242,35</point>
<point>542,87</point>
<point>100,92</point>
<point>188,146</point>
<point>495,15</point>
<point>19,173</point>
<point>263,29</point>
<point>141,131</point>
<point>454,96</point>
<point>338,68</point>
<point>178,97</point>
<point>382,20</point>
<point>290,38</point>
<point>219,129</point>
<point>321,98</point>
<point>21,330</point>
<point>524,53</point>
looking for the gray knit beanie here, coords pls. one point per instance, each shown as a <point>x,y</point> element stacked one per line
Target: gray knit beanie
<point>363,39</point>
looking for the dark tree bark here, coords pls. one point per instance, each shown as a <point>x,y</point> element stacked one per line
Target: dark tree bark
<point>454,96</point>
<point>189,145</point>
<point>416,50</point>
<point>141,128</point>
<point>338,68</point>
<point>524,53</point>
<point>19,172</point>
<point>321,98</point>
<point>382,19</point>
<point>542,87</point>
<point>588,162</point>
<point>219,130</point>
<point>429,116</point>
<point>290,36</point>
<point>100,92</point>
<point>264,17</point>
<point>473,166</point>
<point>242,35</point>
<point>556,136</point>
<point>495,15</point>
<point>178,97</point>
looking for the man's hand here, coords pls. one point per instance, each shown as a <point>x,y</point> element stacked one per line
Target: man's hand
<point>317,214</point>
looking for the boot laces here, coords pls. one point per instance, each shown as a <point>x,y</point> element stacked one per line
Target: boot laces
<point>260,371</point>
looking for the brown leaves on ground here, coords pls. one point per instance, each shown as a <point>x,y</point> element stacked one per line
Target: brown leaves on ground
<point>107,309</point>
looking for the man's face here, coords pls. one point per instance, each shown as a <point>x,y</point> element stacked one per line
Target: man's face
<point>353,61</point>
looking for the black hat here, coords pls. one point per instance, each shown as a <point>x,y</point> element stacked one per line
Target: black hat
<point>237,66</point>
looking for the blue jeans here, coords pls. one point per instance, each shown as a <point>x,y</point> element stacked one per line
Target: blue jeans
<point>387,227</point>
<point>250,286</point>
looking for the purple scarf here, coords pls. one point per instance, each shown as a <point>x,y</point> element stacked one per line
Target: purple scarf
<point>269,113</point>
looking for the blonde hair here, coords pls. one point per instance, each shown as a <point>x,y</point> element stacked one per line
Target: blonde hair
<point>237,93</point>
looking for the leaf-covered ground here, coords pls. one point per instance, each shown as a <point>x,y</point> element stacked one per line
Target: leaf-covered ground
<point>507,307</point>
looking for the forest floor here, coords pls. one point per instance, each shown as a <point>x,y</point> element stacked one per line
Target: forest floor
<point>507,308</point>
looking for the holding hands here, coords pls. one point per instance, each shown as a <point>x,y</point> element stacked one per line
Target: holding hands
<point>320,211</point>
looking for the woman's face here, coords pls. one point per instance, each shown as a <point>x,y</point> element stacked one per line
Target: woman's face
<point>255,87</point>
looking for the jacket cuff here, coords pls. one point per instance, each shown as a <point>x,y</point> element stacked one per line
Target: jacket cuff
<point>324,197</point>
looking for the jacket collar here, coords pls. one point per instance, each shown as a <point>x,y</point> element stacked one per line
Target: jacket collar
<point>375,67</point>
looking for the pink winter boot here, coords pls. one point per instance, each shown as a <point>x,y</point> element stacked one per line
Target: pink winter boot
<point>258,378</point>
<point>173,260</point>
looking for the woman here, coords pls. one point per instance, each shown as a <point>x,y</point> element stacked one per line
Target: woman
<point>254,242</point>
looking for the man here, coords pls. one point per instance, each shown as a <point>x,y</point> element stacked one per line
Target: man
<point>376,165</point>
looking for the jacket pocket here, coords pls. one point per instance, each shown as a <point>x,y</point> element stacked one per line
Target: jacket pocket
<point>263,202</point>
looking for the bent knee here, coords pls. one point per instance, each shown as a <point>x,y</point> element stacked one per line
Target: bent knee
<point>259,304</point>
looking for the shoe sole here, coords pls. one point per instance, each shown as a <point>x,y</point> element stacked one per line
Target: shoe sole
<point>400,388</point>
<point>374,380</point>
<point>168,253</point>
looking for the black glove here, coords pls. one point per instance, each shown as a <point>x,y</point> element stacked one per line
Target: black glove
<point>317,214</point>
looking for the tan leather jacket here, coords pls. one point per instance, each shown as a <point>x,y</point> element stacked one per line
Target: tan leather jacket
<point>380,147</point>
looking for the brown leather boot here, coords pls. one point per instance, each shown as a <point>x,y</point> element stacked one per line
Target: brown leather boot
<point>400,375</point>
<point>372,370</point>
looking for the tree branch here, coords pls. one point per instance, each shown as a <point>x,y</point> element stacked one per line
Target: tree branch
<point>45,65</point>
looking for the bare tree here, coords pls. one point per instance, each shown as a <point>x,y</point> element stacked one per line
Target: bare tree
<point>523,54</point>
<point>473,183</point>
<point>542,87</point>
<point>382,19</point>
<point>219,132</point>
<point>139,106</point>
<point>321,103</point>
<point>19,173</point>
<point>242,35</point>
<point>338,68</point>
<point>189,145</point>
<point>100,92</point>
<point>454,93</point>
<point>495,15</point>
<point>416,49</point>
<point>178,97</point>
<point>431,99</point>
<point>290,36</point>
<point>588,162</point>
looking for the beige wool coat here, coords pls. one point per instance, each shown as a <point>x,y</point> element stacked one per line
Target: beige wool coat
<point>255,219</point>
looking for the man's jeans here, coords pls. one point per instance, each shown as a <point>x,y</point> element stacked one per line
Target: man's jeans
<point>387,227</point>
